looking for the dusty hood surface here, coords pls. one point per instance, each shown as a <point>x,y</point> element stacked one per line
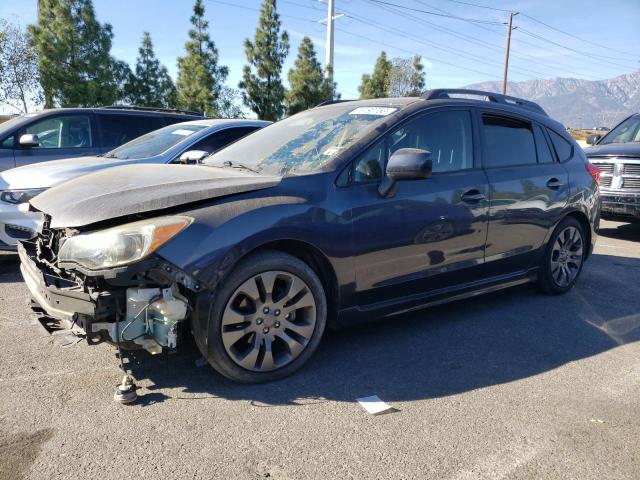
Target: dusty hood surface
<point>48,174</point>
<point>630,149</point>
<point>132,189</point>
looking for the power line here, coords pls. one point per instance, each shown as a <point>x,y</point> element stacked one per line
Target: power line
<point>482,43</point>
<point>454,17</point>
<point>480,6</point>
<point>635,55</point>
<point>586,54</point>
<point>411,52</point>
<point>580,38</point>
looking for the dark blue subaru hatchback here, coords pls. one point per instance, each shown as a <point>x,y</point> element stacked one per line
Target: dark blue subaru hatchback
<point>342,213</point>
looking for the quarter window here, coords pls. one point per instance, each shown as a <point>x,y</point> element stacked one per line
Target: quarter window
<point>508,142</point>
<point>562,146</point>
<point>119,129</point>
<point>447,135</point>
<point>71,131</point>
<point>370,165</point>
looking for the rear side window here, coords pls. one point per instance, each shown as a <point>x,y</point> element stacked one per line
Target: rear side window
<point>67,131</point>
<point>562,147</point>
<point>119,129</point>
<point>508,142</point>
<point>218,140</point>
<point>544,154</point>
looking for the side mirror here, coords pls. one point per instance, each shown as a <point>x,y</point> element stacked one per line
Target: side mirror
<point>593,139</point>
<point>406,164</point>
<point>29,140</point>
<point>193,156</point>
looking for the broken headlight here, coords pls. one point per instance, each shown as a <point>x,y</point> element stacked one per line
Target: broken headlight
<point>121,245</point>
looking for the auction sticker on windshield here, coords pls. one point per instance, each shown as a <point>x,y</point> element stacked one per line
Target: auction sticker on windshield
<point>379,111</point>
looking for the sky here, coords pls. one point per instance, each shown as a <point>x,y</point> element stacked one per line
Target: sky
<point>592,39</point>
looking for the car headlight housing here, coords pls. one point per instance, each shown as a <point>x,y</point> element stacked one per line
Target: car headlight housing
<point>121,245</point>
<point>19,196</point>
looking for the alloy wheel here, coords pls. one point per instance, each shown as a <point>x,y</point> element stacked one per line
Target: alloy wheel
<point>268,321</point>
<point>566,256</point>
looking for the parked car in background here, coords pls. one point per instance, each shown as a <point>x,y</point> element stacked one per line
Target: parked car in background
<point>186,142</point>
<point>75,132</point>
<point>339,214</point>
<point>617,154</point>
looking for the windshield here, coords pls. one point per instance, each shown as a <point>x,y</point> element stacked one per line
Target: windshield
<point>628,131</point>
<point>303,143</point>
<point>154,143</point>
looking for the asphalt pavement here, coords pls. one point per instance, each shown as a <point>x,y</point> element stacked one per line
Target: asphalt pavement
<point>510,385</point>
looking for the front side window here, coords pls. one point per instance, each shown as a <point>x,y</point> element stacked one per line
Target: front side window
<point>627,131</point>
<point>447,135</point>
<point>508,142</point>
<point>154,143</point>
<point>305,142</point>
<point>70,131</point>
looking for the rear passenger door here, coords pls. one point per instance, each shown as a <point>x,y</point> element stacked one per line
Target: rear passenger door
<point>528,190</point>
<point>61,136</point>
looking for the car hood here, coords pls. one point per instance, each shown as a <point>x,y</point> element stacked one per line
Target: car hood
<point>133,189</point>
<point>614,150</point>
<point>48,174</point>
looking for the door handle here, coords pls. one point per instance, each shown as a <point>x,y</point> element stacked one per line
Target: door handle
<point>554,183</point>
<point>472,196</point>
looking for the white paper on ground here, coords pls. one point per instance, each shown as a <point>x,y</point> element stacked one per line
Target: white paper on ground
<point>374,405</point>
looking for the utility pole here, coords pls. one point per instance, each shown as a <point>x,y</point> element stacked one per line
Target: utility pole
<point>506,59</point>
<point>328,59</point>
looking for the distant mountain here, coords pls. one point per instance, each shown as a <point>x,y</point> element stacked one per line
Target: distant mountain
<point>579,103</point>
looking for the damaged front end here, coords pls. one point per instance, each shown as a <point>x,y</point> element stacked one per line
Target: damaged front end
<point>143,302</point>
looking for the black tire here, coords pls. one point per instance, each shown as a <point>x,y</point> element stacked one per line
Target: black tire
<point>261,263</point>
<point>546,279</point>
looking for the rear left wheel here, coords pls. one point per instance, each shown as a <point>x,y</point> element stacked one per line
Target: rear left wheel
<point>267,319</point>
<point>563,258</point>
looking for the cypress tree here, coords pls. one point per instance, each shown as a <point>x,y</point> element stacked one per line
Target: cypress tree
<point>200,78</point>
<point>307,85</point>
<point>151,85</point>
<point>377,84</point>
<point>76,68</point>
<point>262,87</point>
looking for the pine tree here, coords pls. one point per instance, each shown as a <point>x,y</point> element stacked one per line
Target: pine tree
<point>151,85</point>
<point>307,85</point>
<point>200,78</point>
<point>377,84</point>
<point>262,87</point>
<point>76,68</point>
<point>418,77</point>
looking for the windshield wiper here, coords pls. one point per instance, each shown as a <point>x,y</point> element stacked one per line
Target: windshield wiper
<point>230,164</point>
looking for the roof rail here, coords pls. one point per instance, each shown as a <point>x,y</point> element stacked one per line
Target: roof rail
<point>443,93</point>
<point>155,109</point>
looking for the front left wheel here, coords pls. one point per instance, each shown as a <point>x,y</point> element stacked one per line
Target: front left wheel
<point>267,319</point>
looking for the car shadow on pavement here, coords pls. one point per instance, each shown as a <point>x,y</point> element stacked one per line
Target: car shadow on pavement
<point>442,351</point>
<point>624,231</point>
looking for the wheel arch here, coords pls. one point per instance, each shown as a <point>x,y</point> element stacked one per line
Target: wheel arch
<point>317,261</point>
<point>586,226</point>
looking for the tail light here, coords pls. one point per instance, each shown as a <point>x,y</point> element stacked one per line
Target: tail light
<point>593,171</point>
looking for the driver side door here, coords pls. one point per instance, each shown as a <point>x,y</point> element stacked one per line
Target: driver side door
<point>430,234</point>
